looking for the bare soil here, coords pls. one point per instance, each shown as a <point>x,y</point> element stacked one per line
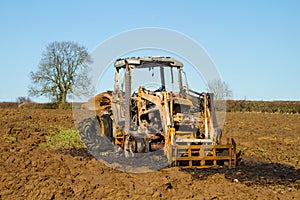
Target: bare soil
<point>269,168</point>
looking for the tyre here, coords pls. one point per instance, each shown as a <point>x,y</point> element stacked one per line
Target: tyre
<point>92,135</point>
<point>106,127</point>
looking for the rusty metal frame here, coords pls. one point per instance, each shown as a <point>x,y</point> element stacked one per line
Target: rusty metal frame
<point>182,148</point>
<point>194,156</point>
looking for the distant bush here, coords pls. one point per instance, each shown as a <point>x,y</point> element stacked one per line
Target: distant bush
<point>30,105</point>
<point>9,105</point>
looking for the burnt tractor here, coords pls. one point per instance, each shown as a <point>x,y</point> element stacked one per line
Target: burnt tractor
<point>161,114</point>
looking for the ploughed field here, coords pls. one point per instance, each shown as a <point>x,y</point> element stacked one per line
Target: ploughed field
<point>31,168</point>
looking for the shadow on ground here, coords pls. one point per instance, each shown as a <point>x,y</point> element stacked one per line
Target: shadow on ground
<point>250,171</point>
<point>254,172</point>
<point>82,152</point>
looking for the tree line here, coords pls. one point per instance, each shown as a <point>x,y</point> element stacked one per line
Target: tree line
<point>291,107</point>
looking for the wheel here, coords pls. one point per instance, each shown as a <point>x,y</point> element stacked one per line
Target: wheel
<point>106,127</point>
<point>91,135</point>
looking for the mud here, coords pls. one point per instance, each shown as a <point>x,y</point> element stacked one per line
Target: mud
<point>269,168</point>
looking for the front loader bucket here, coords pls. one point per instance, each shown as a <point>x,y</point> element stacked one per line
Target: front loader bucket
<point>203,156</point>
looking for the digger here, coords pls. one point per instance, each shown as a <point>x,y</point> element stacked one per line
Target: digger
<point>162,114</point>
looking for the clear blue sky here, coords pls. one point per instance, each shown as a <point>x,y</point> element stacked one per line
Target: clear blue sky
<point>254,44</point>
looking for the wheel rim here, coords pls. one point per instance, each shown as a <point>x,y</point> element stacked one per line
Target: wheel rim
<point>102,128</point>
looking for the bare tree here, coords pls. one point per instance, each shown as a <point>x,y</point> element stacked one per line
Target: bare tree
<point>23,99</point>
<point>63,70</point>
<point>220,89</point>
